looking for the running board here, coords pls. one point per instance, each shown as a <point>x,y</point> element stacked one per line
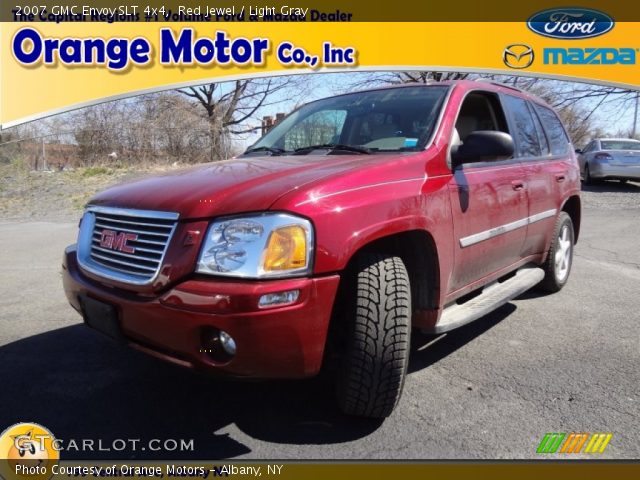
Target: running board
<point>492,297</point>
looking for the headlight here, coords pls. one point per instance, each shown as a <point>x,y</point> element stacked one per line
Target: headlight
<point>257,246</point>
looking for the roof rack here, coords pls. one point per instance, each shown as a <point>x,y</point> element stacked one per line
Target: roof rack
<point>500,84</point>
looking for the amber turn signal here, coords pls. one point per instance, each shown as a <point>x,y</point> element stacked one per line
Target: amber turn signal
<point>286,249</point>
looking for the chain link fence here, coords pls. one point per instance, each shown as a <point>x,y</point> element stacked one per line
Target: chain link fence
<point>97,147</point>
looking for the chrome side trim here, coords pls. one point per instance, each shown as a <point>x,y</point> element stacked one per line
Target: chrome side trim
<point>542,215</point>
<point>508,227</point>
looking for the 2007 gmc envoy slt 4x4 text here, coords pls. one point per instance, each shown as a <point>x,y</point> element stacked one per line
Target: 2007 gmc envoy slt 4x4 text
<point>352,221</point>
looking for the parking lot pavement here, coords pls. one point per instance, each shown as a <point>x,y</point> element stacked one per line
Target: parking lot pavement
<point>559,363</point>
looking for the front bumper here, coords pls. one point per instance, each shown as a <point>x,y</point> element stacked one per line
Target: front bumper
<point>607,171</point>
<point>277,342</point>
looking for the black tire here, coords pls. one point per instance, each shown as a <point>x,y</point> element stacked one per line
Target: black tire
<point>557,274</point>
<point>588,180</point>
<point>377,343</point>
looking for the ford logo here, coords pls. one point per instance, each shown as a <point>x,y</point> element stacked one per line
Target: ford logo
<point>570,23</point>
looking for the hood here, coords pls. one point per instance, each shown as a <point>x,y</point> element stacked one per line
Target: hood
<point>231,186</point>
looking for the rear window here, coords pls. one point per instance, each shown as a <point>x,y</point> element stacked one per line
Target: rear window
<point>619,145</point>
<point>555,131</point>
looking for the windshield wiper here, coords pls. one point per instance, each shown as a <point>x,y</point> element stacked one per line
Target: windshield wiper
<point>335,146</point>
<point>271,150</point>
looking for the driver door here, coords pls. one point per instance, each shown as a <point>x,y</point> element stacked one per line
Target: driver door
<point>488,200</point>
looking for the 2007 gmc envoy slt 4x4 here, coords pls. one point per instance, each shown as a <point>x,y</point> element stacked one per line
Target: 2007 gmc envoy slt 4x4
<point>352,221</point>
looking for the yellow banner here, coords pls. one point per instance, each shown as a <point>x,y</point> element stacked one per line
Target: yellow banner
<point>52,67</point>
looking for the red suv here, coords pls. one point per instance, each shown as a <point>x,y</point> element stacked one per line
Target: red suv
<point>353,220</point>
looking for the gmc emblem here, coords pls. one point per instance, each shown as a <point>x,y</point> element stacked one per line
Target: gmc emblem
<point>113,240</point>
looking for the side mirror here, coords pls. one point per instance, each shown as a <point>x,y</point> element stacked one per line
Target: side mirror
<point>482,146</point>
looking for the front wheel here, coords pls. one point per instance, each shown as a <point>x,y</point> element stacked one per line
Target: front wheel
<point>560,256</point>
<point>378,332</point>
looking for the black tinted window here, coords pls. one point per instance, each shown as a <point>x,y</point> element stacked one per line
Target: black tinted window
<point>557,136</point>
<point>525,133</point>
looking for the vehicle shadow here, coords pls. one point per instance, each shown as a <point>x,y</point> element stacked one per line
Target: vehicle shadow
<point>532,294</point>
<point>612,186</point>
<point>429,349</point>
<point>81,385</point>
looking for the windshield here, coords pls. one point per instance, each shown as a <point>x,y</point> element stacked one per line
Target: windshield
<point>397,119</point>
<point>620,145</point>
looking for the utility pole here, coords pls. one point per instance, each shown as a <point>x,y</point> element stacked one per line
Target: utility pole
<point>44,158</point>
<point>635,117</point>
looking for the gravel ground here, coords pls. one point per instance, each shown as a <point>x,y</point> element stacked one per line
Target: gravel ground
<point>57,195</point>
<point>611,196</point>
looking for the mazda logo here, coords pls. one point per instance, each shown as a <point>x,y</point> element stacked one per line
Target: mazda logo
<point>518,56</point>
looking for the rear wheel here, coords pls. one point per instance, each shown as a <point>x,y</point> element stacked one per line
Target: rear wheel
<point>560,257</point>
<point>378,319</point>
<point>588,179</point>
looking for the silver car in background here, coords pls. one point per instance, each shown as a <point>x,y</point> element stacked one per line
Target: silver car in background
<point>610,159</point>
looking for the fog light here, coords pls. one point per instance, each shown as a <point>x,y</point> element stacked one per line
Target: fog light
<point>228,343</point>
<point>218,345</point>
<point>279,298</point>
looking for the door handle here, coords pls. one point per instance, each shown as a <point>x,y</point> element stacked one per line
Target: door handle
<point>560,177</point>
<point>517,185</point>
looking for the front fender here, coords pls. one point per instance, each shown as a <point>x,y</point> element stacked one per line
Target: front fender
<point>345,222</point>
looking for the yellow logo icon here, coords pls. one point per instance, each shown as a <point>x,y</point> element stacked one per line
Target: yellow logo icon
<point>518,56</point>
<point>27,450</point>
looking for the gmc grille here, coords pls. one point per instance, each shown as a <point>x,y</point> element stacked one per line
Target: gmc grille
<point>125,245</point>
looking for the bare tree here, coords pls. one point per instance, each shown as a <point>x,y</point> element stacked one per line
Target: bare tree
<point>230,108</point>
<point>399,78</point>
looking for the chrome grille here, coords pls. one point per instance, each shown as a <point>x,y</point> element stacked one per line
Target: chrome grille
<point>125,245</point>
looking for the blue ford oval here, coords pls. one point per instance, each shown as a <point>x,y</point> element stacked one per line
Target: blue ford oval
<point>570,23</point>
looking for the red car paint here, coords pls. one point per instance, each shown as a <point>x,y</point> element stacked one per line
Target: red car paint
<point>352,201</point>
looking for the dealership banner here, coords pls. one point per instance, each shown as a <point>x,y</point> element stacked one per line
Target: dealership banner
<point>56,56</point>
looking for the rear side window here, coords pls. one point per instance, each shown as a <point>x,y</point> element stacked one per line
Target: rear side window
<point>526,136</point>
<point>544,143</point>
<point>555,131</point>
